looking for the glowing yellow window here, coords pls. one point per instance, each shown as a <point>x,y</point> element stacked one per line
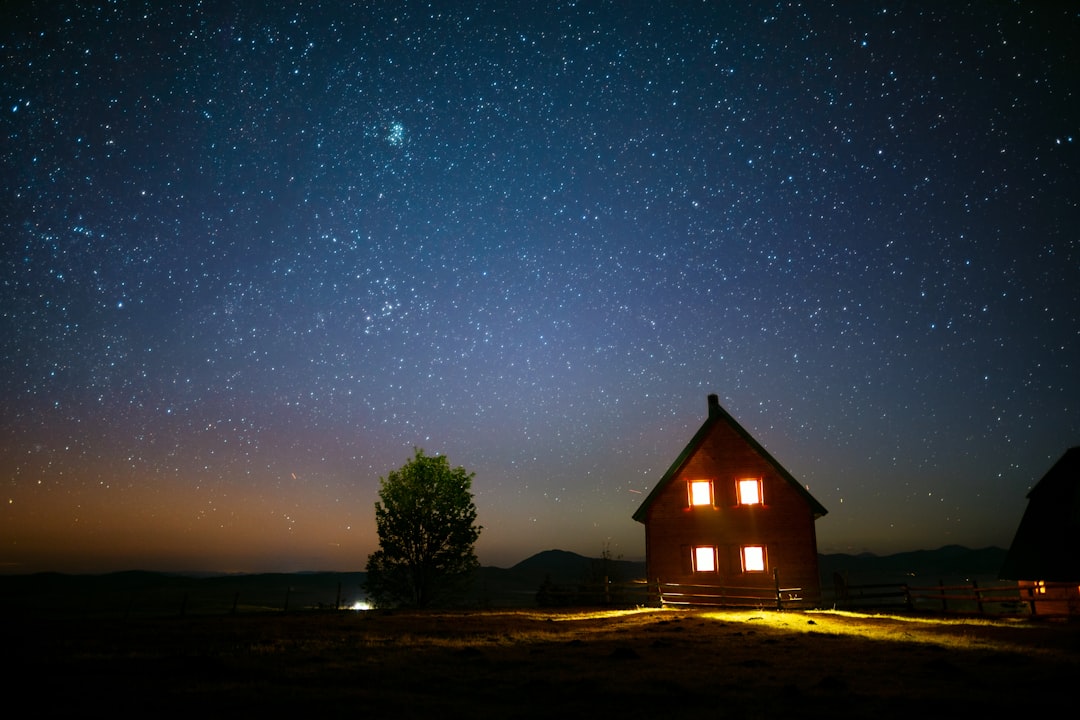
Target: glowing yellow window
<point>701,492</point>
<point>753,558</point>
<point>705,559</point>
<point>750,491</point>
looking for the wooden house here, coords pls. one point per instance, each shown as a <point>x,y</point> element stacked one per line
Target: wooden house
<point>1044,557</point>
<point>727,514</point>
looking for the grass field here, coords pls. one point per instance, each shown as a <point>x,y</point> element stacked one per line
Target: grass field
<point>536,664</point>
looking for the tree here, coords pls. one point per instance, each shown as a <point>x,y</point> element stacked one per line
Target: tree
<point>427,528</point>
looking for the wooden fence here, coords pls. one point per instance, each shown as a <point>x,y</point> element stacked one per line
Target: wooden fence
<point>1000,599</point>
<point>645,593</point>
<point>970,597</point>
<point>151,596</point>
<point>775,596</point>
<point>603,592</point>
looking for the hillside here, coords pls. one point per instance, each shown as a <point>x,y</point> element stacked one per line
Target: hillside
<point>559,571</point>
<point>566,577</point>
<point>949,563</point>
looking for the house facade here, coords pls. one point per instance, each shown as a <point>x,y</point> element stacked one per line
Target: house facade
<point>727,514</point>
<point>1044,557</point>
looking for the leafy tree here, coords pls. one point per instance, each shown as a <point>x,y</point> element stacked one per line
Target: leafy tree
<point>427,528</point>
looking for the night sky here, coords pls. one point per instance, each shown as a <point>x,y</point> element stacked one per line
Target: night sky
<point>253,256</point>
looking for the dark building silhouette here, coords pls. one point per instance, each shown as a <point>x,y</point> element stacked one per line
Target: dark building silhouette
<point>1044,557</point>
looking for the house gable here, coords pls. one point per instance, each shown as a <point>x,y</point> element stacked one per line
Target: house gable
<point>719,421</point>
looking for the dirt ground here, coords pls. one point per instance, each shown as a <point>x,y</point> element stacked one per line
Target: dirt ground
<point>533,664</point>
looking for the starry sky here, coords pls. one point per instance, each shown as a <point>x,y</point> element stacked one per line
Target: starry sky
<point>254,254</point>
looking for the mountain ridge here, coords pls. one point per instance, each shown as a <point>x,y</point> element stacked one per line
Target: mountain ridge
<point>542,578</point>
<point>560,562</point>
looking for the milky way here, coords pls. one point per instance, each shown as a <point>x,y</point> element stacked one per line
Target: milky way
<point>252,258</point>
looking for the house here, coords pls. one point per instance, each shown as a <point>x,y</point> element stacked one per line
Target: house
<point>1044,557</point>
<point>727,514</point>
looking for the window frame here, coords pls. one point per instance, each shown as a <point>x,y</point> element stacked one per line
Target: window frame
<point>696,553</point>
<point>759,496</point>
<point>744,559</point>
<point>690,493</point>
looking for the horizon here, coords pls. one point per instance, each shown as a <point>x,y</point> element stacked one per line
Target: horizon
<point>212,572</point>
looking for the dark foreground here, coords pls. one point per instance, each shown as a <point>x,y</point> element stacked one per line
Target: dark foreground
<point>535,664</point>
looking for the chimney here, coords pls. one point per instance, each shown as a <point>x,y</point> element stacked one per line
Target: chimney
<point>714,404</point>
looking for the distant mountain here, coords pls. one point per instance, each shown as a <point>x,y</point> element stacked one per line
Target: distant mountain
<point>563,566</point>
<point>563,575</point>
<point>559,570</point>
<point>951,562</point>
<point>566,570</point>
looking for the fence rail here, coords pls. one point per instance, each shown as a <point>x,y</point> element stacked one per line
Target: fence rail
<point>729,596</point>
<point>602,592</point>
<point>658,592</point>
<point>999,599</point>
<point>775,595</point>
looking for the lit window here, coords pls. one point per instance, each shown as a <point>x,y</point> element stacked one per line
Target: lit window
<point>750,491</point>
<point>701,492</point>
<point>753,558</point>
<point>1040,587</point>
<point>705,559</point>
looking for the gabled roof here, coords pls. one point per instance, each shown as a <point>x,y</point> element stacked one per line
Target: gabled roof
<point>717,415</point>
<point>1047,542</point>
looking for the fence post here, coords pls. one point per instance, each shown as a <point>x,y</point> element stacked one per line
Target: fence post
<point>978,595</point>
<point>776,583</point>
<point>660,592</point>
<point>944,600</point>
<point>840,591</point>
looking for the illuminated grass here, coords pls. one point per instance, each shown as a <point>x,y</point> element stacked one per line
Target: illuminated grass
<point>955,633</point>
